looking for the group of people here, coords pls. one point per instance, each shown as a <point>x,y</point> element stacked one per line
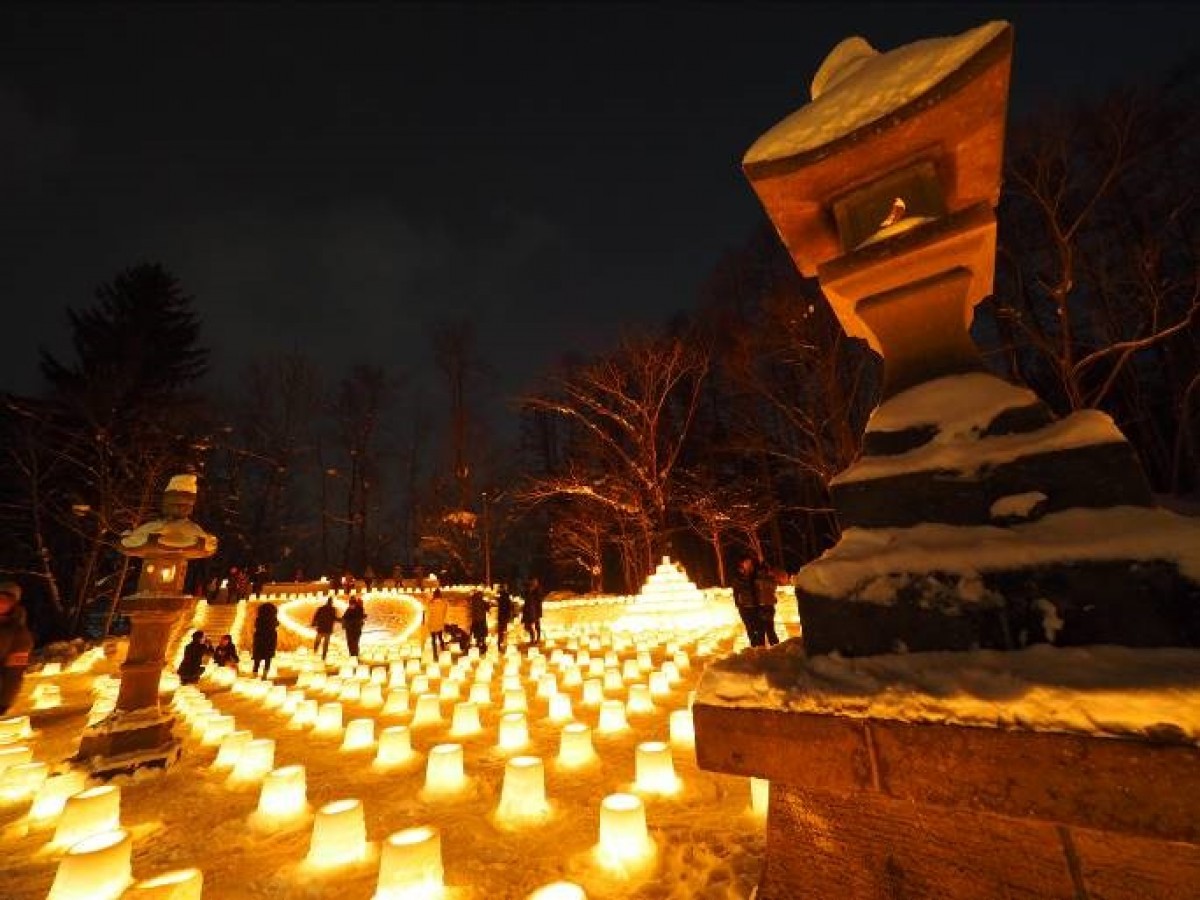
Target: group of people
<point>352,621</point>
<point>225,652</point>
<point>465,621</point>
<point>754,587</point>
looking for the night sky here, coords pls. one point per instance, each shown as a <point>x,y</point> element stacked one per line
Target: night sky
<point>337,178</point>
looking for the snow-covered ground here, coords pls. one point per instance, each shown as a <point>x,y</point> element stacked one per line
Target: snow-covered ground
<point>708,840</point>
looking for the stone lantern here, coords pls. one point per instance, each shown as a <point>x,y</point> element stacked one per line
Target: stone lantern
<point>973,521</point>
<point>139,733</point>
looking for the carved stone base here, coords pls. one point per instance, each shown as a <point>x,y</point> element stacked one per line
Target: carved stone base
<point>869,808</point>
<point>125,742</point>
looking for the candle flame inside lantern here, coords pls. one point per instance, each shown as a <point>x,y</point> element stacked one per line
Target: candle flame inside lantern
<point>410,867</point>
<point>98,867</point>
<point>339,834</point>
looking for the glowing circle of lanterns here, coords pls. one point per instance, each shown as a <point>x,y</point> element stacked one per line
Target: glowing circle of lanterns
<point>98,867</point>
<point>624,837</point>
<point>339,834</point>
<point>91,811</point>
<point>410,866</point>
<point>523,793</point>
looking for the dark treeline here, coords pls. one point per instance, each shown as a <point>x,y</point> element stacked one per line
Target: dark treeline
<point>714,437</point>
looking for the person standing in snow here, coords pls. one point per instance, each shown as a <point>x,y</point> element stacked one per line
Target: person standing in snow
<point>479,611</point>
<point>765,585</point>
<point>504,612</point>
<point>531,611</point>
<point>323,621</point>
<point>266,637</point>
<point>745,597</point>
<point>352,623</point>
<point>16,641</point>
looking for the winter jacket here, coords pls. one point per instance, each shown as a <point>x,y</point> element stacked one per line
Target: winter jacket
<point>324,619</point>
<point>266,637</point>
<point>745,588</point>
<point>225,655</point>
<point>435,615</point>
<point>531,611</point>
<point>192,666</point>
<point>479,610</point>
<point>504,606</point>
<point>15,643</point>
<point>353,618</point>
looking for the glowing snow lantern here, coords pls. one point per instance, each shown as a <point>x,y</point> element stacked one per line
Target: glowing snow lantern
<point>612,717</point>
<point>444,772</point>
<point>630,670</point>
<point>395,747</point>
<point>14,729</point>
<point>379,675</point>
<point>572,677</point>
<point>760,794</point>
<point>305,715</point>
<point>178,884</point>
<point>613,682</point>
<point>559,890</point>
<point>255,761</point>
<point>231,748</point>
<point>98,867</point>
<point>46,696</point>
<point>419,686</point>
<point>91,811</point>
<point>513,731</point>
<point>23,780</point>
<point>672,672</point>
<point>515,701</point>
<point>14,756</point>
<point>466,720</point>
<point>372,695</point>
<point>624,837</point>
<point>275,696</point>
<point>329,720</point>
<point>683,731</point>
<point>523,794</point>
<point>593,692</point>
<point>410,866</point>
<point>339,834</point>
<point>481,694</point>
<point>216,728</point>
<point>560,708</point>
<point>428,711</point>
<point>284,793</point>
<point>396,703</point>
<point>575,747</point>
<point>52,796</point>
<point>360,735</point>
<point>350,692</point>
<point>655,769</point>
<point>639,699</point>
<point>659,686</point>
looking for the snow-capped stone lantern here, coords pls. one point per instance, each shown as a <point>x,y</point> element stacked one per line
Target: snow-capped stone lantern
<point>974,521</point>
<point>138,732</point>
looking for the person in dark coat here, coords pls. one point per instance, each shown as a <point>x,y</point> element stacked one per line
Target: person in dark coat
<point>745,597</point>
<point>765,585</point>
<point>352,623</point>
<point>225,653</point>
<point>266,637</point>
<point>194,654</point>
<point>479,628</point>
<point>323,621</point>
<point>531,611</point>
<point>16,642</point>
<point>504,613</point>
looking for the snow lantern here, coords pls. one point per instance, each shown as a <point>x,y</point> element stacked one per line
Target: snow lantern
<point>444,771</point>
<point>178,884</point>
<point>339,834</point>
<point>523,793</point>
<point>655,768</point>
<point>99,867</point>
<point>91,811</point>
<point>624,837</point>
<point>575,746</point>
<point>410,866</point>
<point>284,793</point>
<point>360,735</point>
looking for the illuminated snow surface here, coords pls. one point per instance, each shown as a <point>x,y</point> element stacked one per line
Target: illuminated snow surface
<point>707,840</point>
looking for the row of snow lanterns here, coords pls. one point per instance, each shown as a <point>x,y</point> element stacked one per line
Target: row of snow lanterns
<point>96,861</point>
<point>338,835</point>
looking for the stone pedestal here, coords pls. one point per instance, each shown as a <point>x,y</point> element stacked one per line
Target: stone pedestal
<point>139,732</point>
<point>871,808</point>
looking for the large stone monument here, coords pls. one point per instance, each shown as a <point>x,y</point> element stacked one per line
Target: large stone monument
<point>974,519</point>
<point>138,733</point>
